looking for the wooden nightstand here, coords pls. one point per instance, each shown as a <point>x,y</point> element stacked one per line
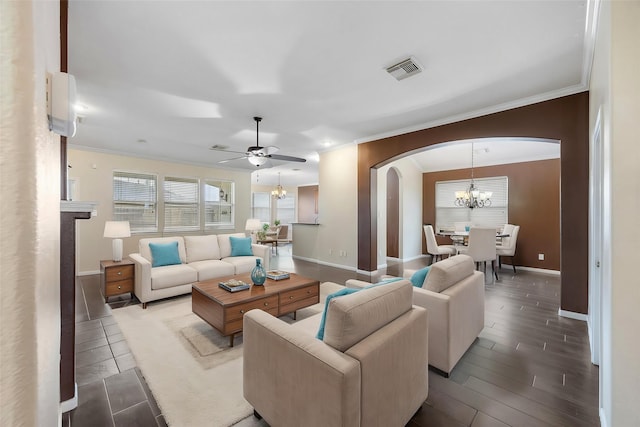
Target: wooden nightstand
<point>116,277</point>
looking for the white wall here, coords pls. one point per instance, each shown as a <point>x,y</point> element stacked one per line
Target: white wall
<point>410,245</point>
<point>337,208</point>
<point>93,173</point>
<point>30,212</point>
<point>615,88</point>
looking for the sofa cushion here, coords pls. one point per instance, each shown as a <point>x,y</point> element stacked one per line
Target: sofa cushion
<point>225,244</point>
<point>145,251</point>
<point>240,246</point>
<point>212,269</point>
<point>164,254</point>
<point>353,317</point>
<point>448,272</point>
<point>172,275</point>
<point>242,264</point>
<point>201,248</point>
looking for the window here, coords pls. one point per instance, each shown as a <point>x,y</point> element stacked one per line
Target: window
<point>286,209</point>
<point>135,200</point>
<point>218,203</point>
<point>181,204</point>
<point>494,216</point>
<point>261,207</point>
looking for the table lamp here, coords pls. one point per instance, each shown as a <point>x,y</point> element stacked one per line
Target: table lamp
<point>253,225</point>
<point>116,230</point>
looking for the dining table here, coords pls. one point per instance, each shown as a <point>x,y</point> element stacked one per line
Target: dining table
<point>462,237</point>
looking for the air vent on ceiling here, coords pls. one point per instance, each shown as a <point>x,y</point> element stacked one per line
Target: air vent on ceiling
<point>404,69</point>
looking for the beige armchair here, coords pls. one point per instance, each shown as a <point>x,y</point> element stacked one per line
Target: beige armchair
<point>453,294</point>
<point>369,370</point>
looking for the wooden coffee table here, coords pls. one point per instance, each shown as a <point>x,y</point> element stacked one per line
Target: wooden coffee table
<point>224,310</point>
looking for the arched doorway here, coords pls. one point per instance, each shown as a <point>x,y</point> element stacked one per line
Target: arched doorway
<point>565,119</point>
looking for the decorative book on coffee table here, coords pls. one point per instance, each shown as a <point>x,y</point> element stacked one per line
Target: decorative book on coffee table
<point>277,274</point>
<point>234,285</point>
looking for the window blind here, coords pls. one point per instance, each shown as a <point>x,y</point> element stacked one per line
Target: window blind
<point>181,204</point>
<point>286,209</point>
<point>135,200</point>
<point>260,206</point>
<point>496,215</point>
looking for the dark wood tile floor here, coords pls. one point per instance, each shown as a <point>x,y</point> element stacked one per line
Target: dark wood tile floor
<point>529,367</point>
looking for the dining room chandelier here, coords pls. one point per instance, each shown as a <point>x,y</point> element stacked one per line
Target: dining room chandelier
<point>472,197</point>
<point>279,192</point>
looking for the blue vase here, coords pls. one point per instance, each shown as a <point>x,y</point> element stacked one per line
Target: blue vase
<point>258,275</point>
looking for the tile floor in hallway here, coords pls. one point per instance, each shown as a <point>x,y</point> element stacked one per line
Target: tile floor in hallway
<point>529,367</point>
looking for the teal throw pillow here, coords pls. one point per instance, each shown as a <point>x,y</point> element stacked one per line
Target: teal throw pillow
<point>344,291</point>
<point>241,246</point>
<point>417,279</point>
<point>164,254</point>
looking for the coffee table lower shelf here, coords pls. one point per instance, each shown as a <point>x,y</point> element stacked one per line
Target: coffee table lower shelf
<point>224,310</point>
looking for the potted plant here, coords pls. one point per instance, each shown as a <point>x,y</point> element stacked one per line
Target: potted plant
<point>276,222</point>
<point>263,233</point>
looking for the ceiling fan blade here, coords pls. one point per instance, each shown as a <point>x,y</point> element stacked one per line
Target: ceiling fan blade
<point>232,159</point>
<point>214,148</point>
<point>270,149</point>
<point>286,158</point>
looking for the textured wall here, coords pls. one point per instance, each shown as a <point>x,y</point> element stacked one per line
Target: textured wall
<point>30,212</point>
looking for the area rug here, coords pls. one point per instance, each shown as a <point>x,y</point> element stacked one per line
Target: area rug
<point>195,377</point>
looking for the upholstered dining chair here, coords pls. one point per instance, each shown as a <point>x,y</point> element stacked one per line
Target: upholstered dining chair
<point>508,247</point>
<point>433,248</point>
<point>482,247</point>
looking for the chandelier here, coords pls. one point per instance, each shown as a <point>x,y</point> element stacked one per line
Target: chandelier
<point>472,197</point>
<point>279,192</point>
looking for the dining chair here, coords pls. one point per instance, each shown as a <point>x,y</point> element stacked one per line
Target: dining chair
<point>433,248</point>
<point>508,247</point>
<point>482,247</point>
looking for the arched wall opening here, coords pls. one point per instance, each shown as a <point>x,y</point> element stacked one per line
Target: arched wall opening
<point>565,119</point>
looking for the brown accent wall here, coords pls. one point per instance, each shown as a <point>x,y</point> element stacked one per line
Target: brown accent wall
<point>565,119</point>
<point>393,213</point>
<point>534,205</point>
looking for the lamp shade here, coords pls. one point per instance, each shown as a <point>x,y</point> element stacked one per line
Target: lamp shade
<point>117,229</point>
<point>253,224</point>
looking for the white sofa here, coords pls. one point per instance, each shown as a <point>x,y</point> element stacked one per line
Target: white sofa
<point>453,294</point>
<point>202,258</point>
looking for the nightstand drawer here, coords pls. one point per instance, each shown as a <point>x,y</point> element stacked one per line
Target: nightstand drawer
<point>119,272</point>
<point>119,287</point>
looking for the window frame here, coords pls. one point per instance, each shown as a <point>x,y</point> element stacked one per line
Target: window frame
<point>230,196</point>
<point>116,216</point>
<point>193,205</point>
<point>495,215</point>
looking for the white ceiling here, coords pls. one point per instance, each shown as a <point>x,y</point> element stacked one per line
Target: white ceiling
<point>185,75</point>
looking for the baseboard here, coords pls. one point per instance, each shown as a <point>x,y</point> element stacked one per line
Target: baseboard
<point>329,264</point>
<point>535,270</point>
<point>72,403</point>
<point>603,418</point>
<point>88,273</point>
<point>572,315</point>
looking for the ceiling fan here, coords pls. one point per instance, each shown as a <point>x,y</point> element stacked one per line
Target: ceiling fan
<point>257,155</point>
